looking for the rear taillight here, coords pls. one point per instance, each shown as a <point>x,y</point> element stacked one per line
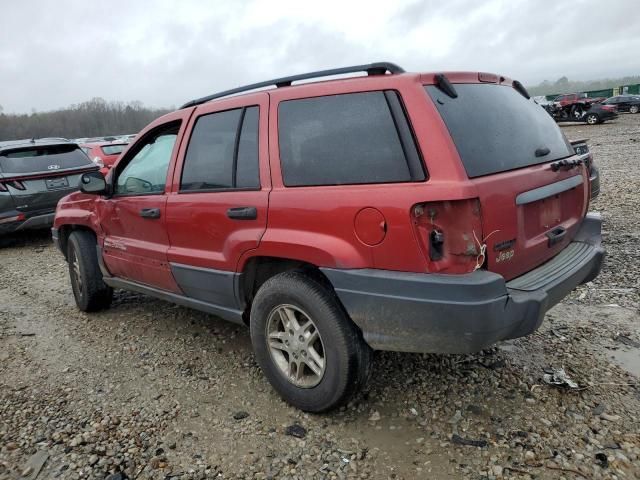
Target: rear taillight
<point>450,234</point>
<point>609,108</point>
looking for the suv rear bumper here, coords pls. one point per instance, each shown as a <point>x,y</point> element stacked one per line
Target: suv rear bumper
<point>437,313</point>
<point>40,220</point>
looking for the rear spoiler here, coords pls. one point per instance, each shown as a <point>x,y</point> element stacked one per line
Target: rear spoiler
<point>30,146</point>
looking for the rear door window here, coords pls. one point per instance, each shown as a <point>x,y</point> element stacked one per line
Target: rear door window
<point>247,171</point>
<point>347,139</point>
<point>223,152</point>
<point>496,129</point>
<point>43,159</point>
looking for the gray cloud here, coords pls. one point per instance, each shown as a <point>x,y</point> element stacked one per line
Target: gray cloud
<point>163,53</point>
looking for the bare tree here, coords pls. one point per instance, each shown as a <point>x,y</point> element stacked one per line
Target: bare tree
<point>93,118</point>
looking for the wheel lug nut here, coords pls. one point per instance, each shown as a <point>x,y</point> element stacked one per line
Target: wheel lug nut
<point>304,354</point>
<point>301,338</point>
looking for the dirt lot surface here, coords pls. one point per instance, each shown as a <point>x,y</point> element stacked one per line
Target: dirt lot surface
<point>153,390</point>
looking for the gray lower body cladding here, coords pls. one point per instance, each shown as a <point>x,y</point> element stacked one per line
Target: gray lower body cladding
<point>435,313</point>
<point>207,290</point>
<point>217,287</point>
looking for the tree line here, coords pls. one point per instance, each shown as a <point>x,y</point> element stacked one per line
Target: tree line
<point>94,118</point>
<point>564,85</point>
<point>97,117</point>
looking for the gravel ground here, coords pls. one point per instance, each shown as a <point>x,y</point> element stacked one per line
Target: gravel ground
<point>151,390</point>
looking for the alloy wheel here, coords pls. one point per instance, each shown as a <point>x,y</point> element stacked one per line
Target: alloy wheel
<point>296,346</point>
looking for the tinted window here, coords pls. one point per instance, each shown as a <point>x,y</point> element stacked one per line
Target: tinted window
<point>341,139</point>
<point>43,159</point>
<point>146,172</point>
<point>209,160</point>
<point>247,173</point>
<point>496,129</point>
<point>216,158</point>
<point>113,149</point>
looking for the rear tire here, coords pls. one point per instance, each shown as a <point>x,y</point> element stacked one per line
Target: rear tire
<point>634,109</point>
<point>317,377</point>
<point>592,118</point>
<point>90,291</point>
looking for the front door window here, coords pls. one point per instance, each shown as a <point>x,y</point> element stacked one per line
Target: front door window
<point>146,173</point>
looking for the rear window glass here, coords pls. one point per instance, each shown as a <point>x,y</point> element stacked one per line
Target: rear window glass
<point>43,158</point>
<point>209,160</point>
<point>341,139</point>
<point>223,152</point>
<point>113,149</point>
<point>247,171</point>
<point>496,129</point>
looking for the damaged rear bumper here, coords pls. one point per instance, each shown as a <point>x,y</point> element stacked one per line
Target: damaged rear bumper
<point>436,313</point>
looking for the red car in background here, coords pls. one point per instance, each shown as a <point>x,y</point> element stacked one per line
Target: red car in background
<point>103,154</point>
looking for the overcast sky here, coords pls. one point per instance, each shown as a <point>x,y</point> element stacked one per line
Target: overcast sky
<point>163,53</point>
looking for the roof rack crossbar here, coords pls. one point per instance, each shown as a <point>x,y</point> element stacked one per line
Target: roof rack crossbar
<point>379,68</point>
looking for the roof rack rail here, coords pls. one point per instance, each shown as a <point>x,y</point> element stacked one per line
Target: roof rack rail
<point>378,68</point>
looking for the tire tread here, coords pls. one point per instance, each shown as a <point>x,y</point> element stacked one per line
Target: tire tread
<point>354,373</point>
<point>98,295</point>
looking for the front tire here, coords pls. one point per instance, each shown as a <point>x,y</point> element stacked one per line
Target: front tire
<point>90,291</point>
<point>634,109</point>
<point>309,350</point>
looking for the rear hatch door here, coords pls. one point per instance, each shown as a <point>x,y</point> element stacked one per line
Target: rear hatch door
<point>38,176</point>
<point>532,187</point>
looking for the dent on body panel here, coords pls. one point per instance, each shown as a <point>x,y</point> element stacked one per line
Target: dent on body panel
<point>81,211</point>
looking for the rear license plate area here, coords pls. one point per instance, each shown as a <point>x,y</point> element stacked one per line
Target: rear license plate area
<point>542,215</point>
<point>56,183</point>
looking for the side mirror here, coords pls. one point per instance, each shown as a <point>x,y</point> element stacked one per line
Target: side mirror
<point>93,183</point>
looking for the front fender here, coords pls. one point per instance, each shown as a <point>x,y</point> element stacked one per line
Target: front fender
<point>78,210</point>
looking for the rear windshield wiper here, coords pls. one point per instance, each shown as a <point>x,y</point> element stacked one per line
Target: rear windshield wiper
<point>443,83</point>
<point>521,90</point>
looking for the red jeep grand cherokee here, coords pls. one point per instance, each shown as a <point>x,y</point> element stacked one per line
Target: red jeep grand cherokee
<point>396,211</point>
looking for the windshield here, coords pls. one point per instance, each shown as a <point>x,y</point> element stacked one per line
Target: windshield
<point>43,159</point>
<point>496,129</point>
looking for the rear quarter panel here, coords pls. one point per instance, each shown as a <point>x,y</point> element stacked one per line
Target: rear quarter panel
<point>316,224</point>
